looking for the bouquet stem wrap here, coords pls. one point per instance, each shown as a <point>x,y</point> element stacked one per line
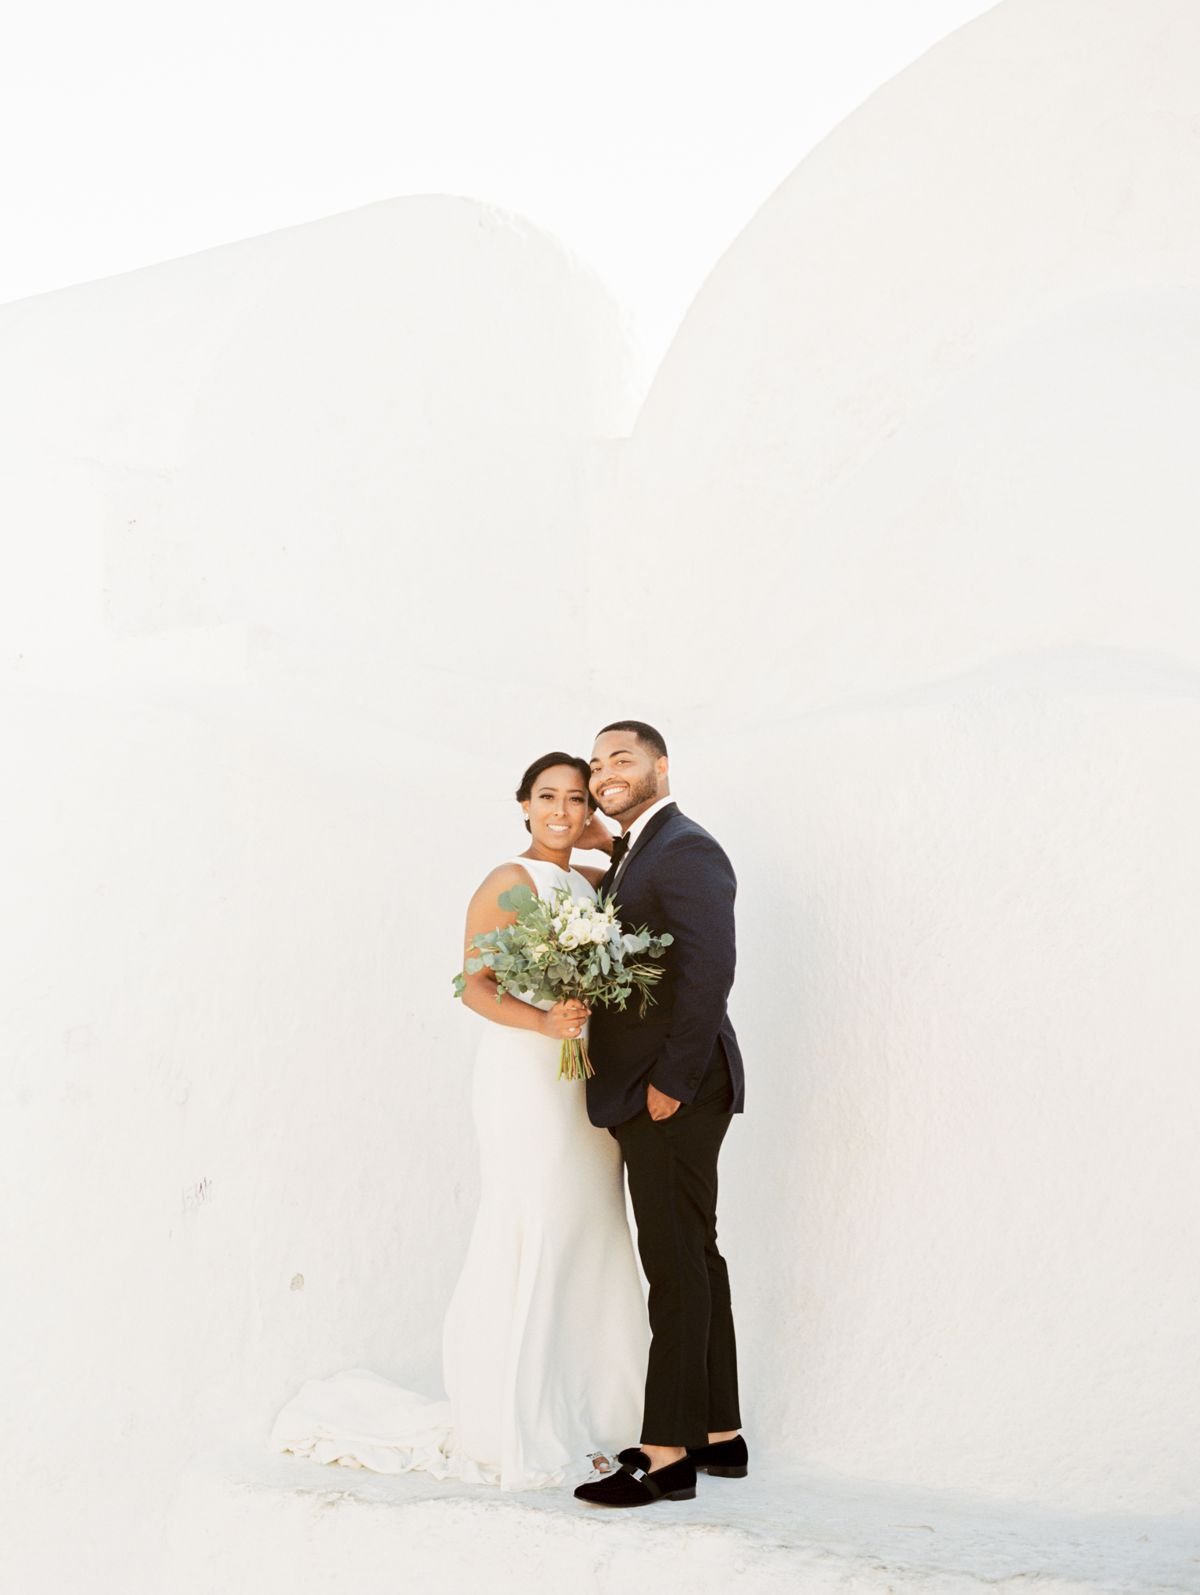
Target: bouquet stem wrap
<point>573,1060</point>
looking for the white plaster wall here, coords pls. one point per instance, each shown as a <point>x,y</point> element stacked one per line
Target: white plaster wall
<point>284,526</point>
<point>919,471</point>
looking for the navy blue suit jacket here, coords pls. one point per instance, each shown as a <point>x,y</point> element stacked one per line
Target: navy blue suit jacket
<point>678,879</point>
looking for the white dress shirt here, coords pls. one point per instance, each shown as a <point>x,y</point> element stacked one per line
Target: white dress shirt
<point>635,830</point>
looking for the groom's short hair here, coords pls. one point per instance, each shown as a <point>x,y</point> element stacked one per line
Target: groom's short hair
<point>644,733</point>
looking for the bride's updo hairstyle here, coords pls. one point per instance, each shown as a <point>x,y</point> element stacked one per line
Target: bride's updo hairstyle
<point>549,761</point>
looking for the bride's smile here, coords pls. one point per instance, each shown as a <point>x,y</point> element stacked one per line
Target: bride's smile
<point>557,812</point>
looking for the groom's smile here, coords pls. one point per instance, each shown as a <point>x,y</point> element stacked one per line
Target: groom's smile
<point>626,776</point>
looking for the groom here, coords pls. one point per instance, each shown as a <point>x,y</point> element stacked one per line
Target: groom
<point>667,1085</point>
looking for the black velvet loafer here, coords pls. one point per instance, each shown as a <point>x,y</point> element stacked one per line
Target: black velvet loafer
<point>726,1459</point>
<point>634,1484</point>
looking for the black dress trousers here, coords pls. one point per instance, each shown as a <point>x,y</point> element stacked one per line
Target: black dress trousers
<point>691,1378</point>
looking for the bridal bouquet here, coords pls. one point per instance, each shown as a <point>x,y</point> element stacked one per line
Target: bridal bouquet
<point>562,947</point>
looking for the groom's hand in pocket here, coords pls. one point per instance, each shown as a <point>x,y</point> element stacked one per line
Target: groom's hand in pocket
<point>658,1104</point>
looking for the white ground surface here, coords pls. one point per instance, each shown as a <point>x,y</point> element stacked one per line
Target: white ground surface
<point>251,1526</point>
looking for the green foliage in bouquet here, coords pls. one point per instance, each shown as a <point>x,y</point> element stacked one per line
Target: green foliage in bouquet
<point>566,946</point>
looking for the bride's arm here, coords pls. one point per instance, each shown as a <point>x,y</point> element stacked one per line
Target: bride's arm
<point>483,914</point>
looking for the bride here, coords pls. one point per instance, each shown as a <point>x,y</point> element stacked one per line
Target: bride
<point>544,1341</point>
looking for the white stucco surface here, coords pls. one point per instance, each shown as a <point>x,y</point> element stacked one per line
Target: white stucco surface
<point>275,515</point>
<point>312,544</point>
<point>920,473</point>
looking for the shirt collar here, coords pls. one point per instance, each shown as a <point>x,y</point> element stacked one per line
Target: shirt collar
<point>643,819</point>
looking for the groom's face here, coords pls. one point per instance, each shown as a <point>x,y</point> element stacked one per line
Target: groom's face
<point>626,777</point>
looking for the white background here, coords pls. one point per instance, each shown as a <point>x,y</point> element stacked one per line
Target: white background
<point>311,530</point>
<point>643,134</point>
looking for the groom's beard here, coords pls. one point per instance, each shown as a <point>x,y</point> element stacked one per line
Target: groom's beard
<point>644,791</point>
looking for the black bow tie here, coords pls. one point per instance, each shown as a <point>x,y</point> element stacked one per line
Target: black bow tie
<point>619,849</point>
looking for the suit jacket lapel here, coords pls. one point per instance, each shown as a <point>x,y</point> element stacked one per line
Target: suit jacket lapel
<point>651,831</point>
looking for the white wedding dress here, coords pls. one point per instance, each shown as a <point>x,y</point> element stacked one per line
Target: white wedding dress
<point>544,1342</point>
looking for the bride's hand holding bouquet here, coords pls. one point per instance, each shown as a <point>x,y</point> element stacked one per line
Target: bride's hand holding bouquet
<point>565,1019</point>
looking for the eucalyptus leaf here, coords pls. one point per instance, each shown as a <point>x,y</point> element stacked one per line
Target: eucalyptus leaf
<point>528,959</point>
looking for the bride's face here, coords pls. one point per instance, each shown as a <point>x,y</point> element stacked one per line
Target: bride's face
<point>557,809</point>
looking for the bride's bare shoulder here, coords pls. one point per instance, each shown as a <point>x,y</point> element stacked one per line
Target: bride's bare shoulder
<point>484,911</point>
<point>505,876</point>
